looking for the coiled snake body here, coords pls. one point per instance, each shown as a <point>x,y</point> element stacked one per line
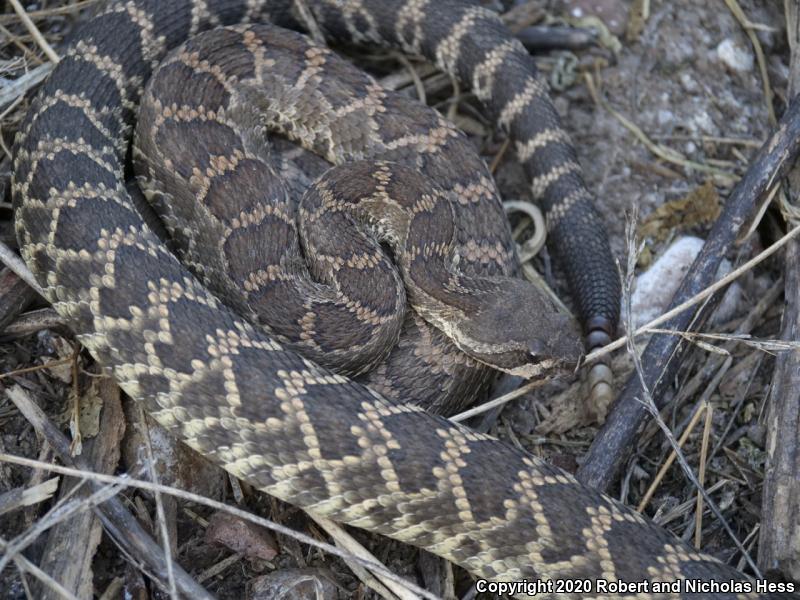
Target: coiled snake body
<point>204,163</point>
<point>279,421</point>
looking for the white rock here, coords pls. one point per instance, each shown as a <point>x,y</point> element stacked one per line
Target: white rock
<point>665,117</point>
<point>702,121</point>
<point>655,287</point>
<point>688,82</point>
<point>734,56</point>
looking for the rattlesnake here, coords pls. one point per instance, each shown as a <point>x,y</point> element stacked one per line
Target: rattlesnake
<point>204,163</point>
<point>279,421</point>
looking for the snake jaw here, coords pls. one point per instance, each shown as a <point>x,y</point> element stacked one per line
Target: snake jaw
<point>534,370</point>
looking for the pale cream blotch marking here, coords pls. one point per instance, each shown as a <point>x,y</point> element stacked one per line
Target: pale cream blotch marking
<point>201,17</point>
<point>526,495</point>
<point>153,47</point>
<point>309,457</point>
<point>526,150</point>
<point>257,279</point>
<point>255,45</point>
<point>368,105</point>
<point>68,199</point>
<point>254,8</point>
<point>449,476</point>
<point>91,112</point>
<point>363,260</point>
<point>426,202</point>
<point>602,521</point>
<point>260,212</point>
<point>534,89</point>
<point>199,180</point>
<point>670,561</point>
<point>430,142</point>
<point>128,88</point>
<point>540,184</point>
<point>475,192</point>
<point>315,59</point>
<point>48,148</point>
<point>560,209</point>
<point>413,13</point>
<point>483,75</point>
<point>448,51</point>
<point>483,252</point>
<point>349,12</point>
<point>668,568</point>
<point>372,416</point>
<point>183,114</point>
<point>192,60</point>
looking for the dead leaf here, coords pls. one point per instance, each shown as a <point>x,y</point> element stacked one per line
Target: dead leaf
<point>701,206</point>
<point>241,536</point>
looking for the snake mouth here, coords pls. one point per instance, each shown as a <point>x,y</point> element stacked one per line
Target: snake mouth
<point>530,366</point>
<point>533,370</point>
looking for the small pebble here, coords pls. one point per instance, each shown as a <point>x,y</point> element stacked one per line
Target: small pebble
<point>688,83</point>
<point>735,56</point>
<point>701,121</point>
<point>665,117</point>
<point>294,584</point>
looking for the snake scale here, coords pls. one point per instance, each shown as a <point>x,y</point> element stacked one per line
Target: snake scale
<point>284,424</point>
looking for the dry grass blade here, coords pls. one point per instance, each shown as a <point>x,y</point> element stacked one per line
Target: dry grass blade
<point>10,259</point>
<point>34,31</point>
<point>218,568</point>
<point>11,95</point>
<point>487,406</point>
<point>162,521</point>
<point>671,458</point>
<point>202,500</point>
<point>750,29</point>
<point>662,152</point>
<point>386,588</point>
<point>701,476</point>
<point>54,363</point>
<point>20,497</point>
<point>26,566</point>
<point>48,13</point>
<point>764,345</point>
<point>684,508</point>
<point>649,403</point>
<point>698,298</point>
<point>63,510</point>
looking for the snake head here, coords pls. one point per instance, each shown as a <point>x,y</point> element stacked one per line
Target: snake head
<point>519,330</point>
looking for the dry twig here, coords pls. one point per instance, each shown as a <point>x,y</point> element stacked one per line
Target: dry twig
<point>779,537</point>
<point>647,402</point>
<point>34,31</point>
<point>664,353</point>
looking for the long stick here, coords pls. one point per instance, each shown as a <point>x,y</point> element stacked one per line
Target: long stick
<point>662,357</point>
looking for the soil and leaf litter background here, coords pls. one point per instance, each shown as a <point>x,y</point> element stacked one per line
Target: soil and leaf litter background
<point>665,107</point>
